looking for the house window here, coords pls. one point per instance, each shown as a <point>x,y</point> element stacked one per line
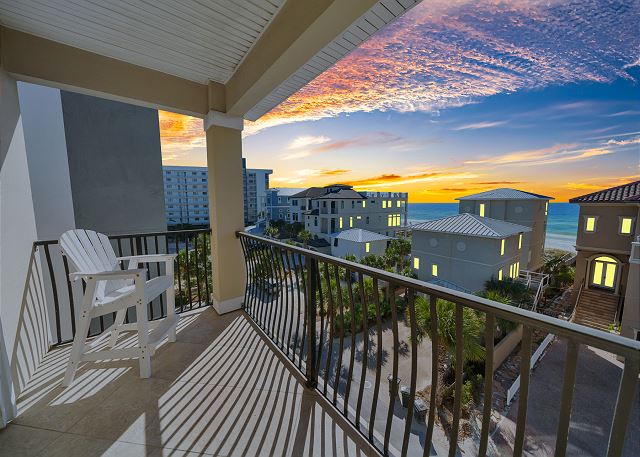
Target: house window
<point>500,274</point>
<point>416,263</point>
<point>341,222</point>
<point>546,208</point>
<point>398,203</point>
<point>481,209</point>
<point>353,204</point>
<point>517,269</point>
<point>434,270</point>
<point>626,225</point>
<point>367,246</point>
<point>367,219</point>
<point>350,221</point>
<point>590,224</point>
<point>389,220</point>
<point>389,204</point>
<point>315,221</point>
<point>335,241</point>
<point>364,203</point>
<point>384,204</point>
<point>501,247</point>
<point>358,217</point>
<point>520,241</point>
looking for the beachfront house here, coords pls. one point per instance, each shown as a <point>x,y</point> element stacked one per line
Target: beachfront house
<point>277,204</point>
<point>466,250</point>
<point>518,207</point>
<point>332,209</point>
<point>608,260</point>
<point>359,243</point>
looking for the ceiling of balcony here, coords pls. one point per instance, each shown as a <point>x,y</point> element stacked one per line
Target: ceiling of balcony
<point>195,40</point>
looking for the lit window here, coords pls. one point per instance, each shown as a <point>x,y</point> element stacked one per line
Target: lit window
<point>520,241</point>
<point>364,203</point>
<point>517,268</point>
<point>434,270</point>
<point>500,274</point>
<point>340,222</point>
<point>546,208</point>
<point>416,263</point>
<point>481,209</point>
<point>351,221</point>
<point>389,203</point>
<point>625,225</point>
<point>511,271</point>
<point>359,217</point>
<point>501,247</point>
<point>384,203</point>
<point>389,220</point>
<point>590,224</point>
<point>398,203</point>
<point>366,247</point>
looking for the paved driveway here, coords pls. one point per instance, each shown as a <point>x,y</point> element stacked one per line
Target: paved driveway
<point>597,381</point>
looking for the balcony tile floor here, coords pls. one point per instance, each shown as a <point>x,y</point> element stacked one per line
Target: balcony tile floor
<point>219,390</point>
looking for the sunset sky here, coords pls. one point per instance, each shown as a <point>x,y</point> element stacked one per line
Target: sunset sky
<point>457,97</point>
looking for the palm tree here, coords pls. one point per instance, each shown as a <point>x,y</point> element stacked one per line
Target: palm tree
<point>271,231</point>
<point>397,252</point>
<point>305,236</point>
<point>472,327</point>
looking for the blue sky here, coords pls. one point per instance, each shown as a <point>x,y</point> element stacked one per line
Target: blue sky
<point>459,96</point>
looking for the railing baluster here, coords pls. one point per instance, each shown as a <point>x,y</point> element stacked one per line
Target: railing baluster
<point>292,306</point>
<point>393,392</point>
<point>296,261</point>
<point>336,385</point>
<point>275,252</point>
<point>311,372</point>
<point>376,388</point>
<point>285,286</point>
<point>54,290</point>
<point>195,255</point>
<point>207,253</point>
<point>305,314</point>
<point>624,405</point>
<point>435,366</point>
<point>365,348</point>
<point>188,272</point>
<point>571,362</point>
<point>489,328</point>
<point>72,308</point>
<point>162,313</point>
<point>414,371</point>
<point>247,295</point>
<point>331,320</point>
<point>321,310</point>
<point>459,364</point>
<point>352,355</point>
<point>178,272</point>
<point>525,371</point>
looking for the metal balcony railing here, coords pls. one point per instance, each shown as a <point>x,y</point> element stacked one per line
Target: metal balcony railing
<point>328,316</point>
<point>50,282</point>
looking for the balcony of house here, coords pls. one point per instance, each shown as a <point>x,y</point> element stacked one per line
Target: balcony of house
<point>294,373</point>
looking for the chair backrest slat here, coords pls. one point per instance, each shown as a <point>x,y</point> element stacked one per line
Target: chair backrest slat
<point>92,252</point>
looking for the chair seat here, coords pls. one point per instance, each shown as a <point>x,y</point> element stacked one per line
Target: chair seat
<point>152,289</point>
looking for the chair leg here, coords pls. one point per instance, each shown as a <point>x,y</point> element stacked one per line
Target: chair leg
<point>143,330</point>
<point>171,303</point>
<point>120,315</point>
<point>77,349</point>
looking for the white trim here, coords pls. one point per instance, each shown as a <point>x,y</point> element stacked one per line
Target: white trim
<point>226,306</point>
<point>222,120</point>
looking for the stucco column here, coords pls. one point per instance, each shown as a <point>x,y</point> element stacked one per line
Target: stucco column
<point>631,315</point>
<point>226,209</point>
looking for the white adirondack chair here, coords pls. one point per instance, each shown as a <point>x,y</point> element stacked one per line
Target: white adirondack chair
<point>110,289</point>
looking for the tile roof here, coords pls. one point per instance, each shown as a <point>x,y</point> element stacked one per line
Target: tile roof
<point>311,192</point>
<point>626,193</point>
<point>472,225</point>
<point>359,235</point>
<point>287,191</point>
<point>343,193</point>
<point>505,193</point>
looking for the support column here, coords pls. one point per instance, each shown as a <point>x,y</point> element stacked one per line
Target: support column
<point>226,209</point>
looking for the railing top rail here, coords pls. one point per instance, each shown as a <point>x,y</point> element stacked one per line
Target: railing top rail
<point>597,338</point>
<point>134,235</point>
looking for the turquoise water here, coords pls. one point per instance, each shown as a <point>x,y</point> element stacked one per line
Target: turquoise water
<point>562,225</point>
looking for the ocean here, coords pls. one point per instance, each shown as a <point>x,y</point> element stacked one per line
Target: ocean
<point>562,225</point>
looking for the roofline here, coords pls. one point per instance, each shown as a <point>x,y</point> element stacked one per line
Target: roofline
<point>533,195</point>
<point>573,200</point>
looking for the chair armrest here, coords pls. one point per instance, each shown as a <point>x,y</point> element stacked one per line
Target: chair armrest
<point>108,275</point>
<point>147,258</point>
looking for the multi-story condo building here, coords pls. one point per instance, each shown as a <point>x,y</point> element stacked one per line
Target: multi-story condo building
<point>278,204</point>
<point>467,250</point>
<point>518,207</point>
<point>255,182</point>
<point>329,210</point>
<point>608,259</point>
<point>186,195</point>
